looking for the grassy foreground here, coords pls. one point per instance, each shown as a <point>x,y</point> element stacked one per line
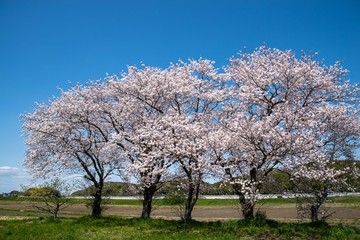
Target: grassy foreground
<point>134,228</point>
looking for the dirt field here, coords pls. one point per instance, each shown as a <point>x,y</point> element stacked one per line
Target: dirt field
<point>274,211</point>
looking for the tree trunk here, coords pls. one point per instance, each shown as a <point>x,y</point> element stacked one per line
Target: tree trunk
<point>314,213</point>
<point>247,208</point>
<point>147,201</point>
<point>191,199</point>
<point>320,198</point>
<point>56,210</point>
<point>96,204</point>
<point>247,205</point>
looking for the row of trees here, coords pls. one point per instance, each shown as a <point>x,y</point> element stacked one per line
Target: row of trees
<point>265,111</point>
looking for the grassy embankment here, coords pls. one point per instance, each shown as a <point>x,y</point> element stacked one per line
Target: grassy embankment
<point>134,228</point>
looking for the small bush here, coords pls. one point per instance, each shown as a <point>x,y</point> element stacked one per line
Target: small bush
<point>174,198</point>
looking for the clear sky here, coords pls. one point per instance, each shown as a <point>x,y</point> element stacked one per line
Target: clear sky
<point>44,44</point>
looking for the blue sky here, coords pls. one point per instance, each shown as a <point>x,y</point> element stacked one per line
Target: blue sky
<point>44,44</point>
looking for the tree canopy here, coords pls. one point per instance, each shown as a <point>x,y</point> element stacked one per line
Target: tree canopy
<point>266,111</point>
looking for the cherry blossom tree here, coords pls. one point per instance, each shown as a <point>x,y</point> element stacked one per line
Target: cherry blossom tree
<point>269,110</point>
<point>70,134</point>
<point>192,107</point>
<point>274,119</point>
<point>312,184</point>
<point>144,92</point>
<point>340,134</point>
<point>169,110</point>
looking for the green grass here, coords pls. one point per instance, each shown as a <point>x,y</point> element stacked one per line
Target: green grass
<point>354,199</point>
<point>134,228</point>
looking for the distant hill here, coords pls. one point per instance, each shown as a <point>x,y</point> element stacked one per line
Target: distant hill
<point>112,189</point>
<point>277,182</point>
<point>127,189</point>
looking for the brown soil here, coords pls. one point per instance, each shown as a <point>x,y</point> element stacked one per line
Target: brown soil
<point>274,211</point>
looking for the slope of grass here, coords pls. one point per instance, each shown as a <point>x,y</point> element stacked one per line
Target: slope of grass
<point>134,228</point>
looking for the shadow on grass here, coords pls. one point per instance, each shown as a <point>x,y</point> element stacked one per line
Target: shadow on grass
<point>259,228</point>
